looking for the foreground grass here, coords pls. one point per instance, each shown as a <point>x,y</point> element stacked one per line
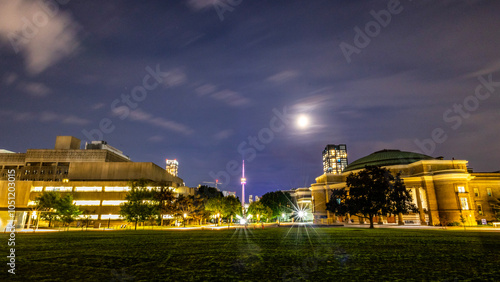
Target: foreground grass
<point>289,254</point>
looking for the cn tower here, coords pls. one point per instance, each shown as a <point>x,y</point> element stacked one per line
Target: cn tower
<point>243,182</point>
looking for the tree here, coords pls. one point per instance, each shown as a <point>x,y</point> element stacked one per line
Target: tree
<point>199,213</point>
<point>338,202</point>
<point>495,206</point>
<point>400,199</point>
<point>139,206</point>
<point>86,217</point>
<point>279,202</point>
<point>183,207</point>
<point>67,212</point>
<point>260,211</point>
<point>46,204</point>
<point>224,207</point>
<point>371,192</point>
<point>208,192</point>
<point>216,207</point>
<point>462,219</point>
<point>232,207</point>
<point>164,199</point>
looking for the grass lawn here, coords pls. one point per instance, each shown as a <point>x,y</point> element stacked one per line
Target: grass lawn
<point>289,254</point>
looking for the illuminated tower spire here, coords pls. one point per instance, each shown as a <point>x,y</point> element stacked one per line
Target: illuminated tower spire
<point>243,182</point>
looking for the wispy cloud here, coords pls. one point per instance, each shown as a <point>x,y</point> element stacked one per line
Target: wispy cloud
<point>223,134</point>
<point>156,139</point>
<point>205,89</point>
<point>97,106</point>
<point>201,4</point>
<point>231,98</point>
<point>283,76</point>
<point>174,77</point>
<point>141,116</point>
<point>51,38</point>
<point>44,117</point>
<point>34,89</point>
<point>10,78</point>
<point>491,68</point>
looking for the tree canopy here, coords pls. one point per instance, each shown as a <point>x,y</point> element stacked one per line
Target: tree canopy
<point>279,202</point>
<point>224,207</point>
<point>372,192</point>
<point>208,192</point>
<point>46,204</point>
<point>66,211</point>
<point>259,211</point>
<point>140,203</point>
<point>53,207</point>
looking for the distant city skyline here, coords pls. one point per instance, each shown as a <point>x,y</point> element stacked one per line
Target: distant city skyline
<point>271,82</point>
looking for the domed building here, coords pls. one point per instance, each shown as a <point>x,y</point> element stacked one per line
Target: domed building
<point>441,189</point>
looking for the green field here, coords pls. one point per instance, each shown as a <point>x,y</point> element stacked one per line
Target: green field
<point>288,254</point>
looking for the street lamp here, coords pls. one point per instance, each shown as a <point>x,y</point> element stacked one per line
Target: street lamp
<point>109,220</point>
<point>185,215</point>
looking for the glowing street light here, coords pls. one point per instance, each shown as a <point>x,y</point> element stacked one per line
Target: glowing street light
<point>302,214</point>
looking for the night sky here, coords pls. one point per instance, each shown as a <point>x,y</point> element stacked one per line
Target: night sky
<point>241,69</point>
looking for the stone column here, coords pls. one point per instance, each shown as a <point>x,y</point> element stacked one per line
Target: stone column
<point>420,209</point>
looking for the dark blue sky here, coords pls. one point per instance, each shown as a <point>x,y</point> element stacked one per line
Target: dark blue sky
<point>225,71</point>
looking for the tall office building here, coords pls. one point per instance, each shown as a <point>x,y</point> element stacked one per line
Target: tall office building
<point>334,158</point>
<point>172,167</point>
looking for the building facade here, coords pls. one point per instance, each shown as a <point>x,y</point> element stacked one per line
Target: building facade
<point>335,158</point>
<point>97,177</point>
<point>443,190</point>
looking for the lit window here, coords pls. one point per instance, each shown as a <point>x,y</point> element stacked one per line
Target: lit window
<point>31,203</point>
<point>111,216</point>
<point>476,192</point>
<point>488,191</point>
<point>88,189</point>
<point>112,203</point>
<point>480,209</point>
<point>116,189</point>
<point>465,204</point>
<point>87,203</point>
<point>37,189</point>
<point>59,189</point>
<point>461,189</point>
<point>89,216</point>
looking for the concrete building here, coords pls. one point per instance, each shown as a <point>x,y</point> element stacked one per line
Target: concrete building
<point>441,189</point>
<point>97,177</point>
<point>334,158</point>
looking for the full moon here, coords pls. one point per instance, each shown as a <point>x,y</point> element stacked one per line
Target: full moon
<point>303,121</point>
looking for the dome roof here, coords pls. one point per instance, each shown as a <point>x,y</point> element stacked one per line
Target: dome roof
<point>387,158</point>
